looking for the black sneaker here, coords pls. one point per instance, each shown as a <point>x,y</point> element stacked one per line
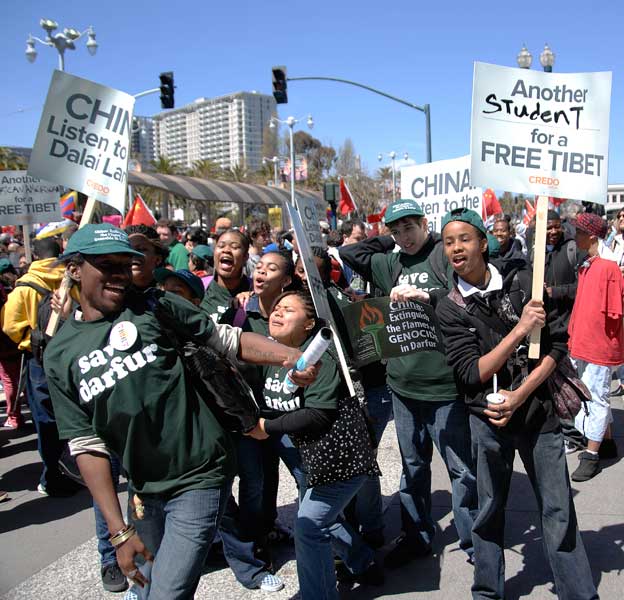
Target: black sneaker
<point>404,552</point>
<point>113,580</point>
<point>608,449</point>
<point>375,539</point>
<point>373,575</point>
<point>589,466</point>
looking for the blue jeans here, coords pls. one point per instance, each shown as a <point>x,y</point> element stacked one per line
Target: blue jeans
<point>178,531</point>
<point>368,511</point>
<point>105,548</point>
<point>319,528</point>
<point>419,425</point>
<point>543,457</point>
<point>252,455</point>
<point>48,443</point>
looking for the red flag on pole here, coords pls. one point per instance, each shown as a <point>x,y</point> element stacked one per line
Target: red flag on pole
<point>346,204</point>
<point>491,205</point>
<point>530,211</point>
<point>139,214</point>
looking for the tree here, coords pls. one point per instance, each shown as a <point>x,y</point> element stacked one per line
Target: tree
<point>166,166</point>
<point>346,162</point>
<point>9,161</point>
<point>270,141</point>
<point>206,169</point>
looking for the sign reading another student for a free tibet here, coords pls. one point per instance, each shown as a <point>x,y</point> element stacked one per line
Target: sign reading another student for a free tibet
<point>541,133</point>
<point>380,328</point>
<point>441,186</point>
<point>25,200</point>
<point>84,138</point>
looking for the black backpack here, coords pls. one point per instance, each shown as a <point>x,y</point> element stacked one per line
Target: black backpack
<point>38,337</point>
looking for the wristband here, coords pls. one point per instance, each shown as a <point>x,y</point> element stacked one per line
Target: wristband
<point>122,536</point>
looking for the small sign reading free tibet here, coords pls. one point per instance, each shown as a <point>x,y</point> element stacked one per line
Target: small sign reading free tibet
<point>380,328</point>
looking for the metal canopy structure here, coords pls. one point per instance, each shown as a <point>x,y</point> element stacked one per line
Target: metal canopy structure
<point>212,190</point>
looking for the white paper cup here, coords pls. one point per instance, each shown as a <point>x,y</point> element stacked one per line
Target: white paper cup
<point>495,398</point>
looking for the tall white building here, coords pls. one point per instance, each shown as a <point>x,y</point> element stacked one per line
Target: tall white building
<point>227,130</point>
<point>142,141</point>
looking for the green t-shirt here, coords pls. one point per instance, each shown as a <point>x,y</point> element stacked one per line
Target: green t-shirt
<point>324,393</point>
<point>217,299</point>
<point>422,375</point>
<point>126,384</point>
<point>178,256</point>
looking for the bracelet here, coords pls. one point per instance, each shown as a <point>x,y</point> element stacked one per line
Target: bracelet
<point>125,534</point>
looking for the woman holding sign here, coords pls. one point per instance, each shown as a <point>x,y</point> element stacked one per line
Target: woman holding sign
<point>486,320</point>
<point>335,448</point>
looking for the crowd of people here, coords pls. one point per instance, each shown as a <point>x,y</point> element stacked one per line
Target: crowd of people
<point>132,385</point>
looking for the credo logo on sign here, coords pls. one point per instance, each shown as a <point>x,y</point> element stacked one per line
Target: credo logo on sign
<point>98,187</point>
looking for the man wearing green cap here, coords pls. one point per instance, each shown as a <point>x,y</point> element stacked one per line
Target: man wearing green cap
<point>426,407</point>
<point>486,319</point>
<point>118,385</point>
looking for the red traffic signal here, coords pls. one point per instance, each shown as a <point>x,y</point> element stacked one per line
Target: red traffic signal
<point>280,85</point>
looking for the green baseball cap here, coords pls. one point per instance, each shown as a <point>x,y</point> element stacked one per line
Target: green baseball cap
<point>192,281</point>
<point>202,251</point>
<point>100,238</point>
<point>403,208</point>
<point>5,265</point>
<point>465,215</point>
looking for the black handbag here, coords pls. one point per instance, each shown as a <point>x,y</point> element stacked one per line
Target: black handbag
<point>344,452</point>
<point>217,381</point>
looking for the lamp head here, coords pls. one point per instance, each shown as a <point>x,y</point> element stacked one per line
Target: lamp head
<point>405,156</point>
<point>92,45</point>
<point>547,58</point>
<point>49,25</point>
<point>524,58</point>
<point>272,124</point>
<point>393,155</point>
<point>310,122</point>
<point>380,157</point>
<point>31,53</point>
<point>71,34</point>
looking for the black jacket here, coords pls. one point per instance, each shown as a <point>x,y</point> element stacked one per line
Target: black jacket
<point>469,335</point>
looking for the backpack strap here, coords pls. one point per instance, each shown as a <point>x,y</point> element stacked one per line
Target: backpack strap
<point>571,253</point>
<point>39,289</point>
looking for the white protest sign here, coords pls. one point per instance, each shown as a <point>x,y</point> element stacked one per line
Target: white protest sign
<point>310,219</point>
<point>441,186</point>
<point>25,200</point>
<point>541,133</point>
<point>317,289</point>
<point>84,138</point>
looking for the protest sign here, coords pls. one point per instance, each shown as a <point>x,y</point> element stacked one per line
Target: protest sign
<point>25,200</point>
<point>440,187</point>
<point>83,139</point>
<point>275,217</point>
<point>380,328</point>
<point>310,218</point>
<point>541,133</point>
<point>317,290</point>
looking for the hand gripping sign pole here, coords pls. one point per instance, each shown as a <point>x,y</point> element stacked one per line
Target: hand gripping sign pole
<point>539,260</point>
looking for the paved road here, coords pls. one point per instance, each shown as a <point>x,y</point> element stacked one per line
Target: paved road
<point>48,549</point>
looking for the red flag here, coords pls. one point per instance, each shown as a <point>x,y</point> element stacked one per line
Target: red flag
<point>139,214</point>
<point>346,204</point>
<point>491,205</point>
<point>530,212</point>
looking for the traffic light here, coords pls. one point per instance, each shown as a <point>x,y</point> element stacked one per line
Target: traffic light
<point>166,89</point>
<point>280,85</point>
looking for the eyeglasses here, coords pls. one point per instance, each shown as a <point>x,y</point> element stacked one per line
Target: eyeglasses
<point>620,216</point>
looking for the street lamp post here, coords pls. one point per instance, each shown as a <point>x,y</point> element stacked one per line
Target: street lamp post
<point>392,156</point>
<point>61,41</point>
<point>291,122</point>
<point>275,161</point>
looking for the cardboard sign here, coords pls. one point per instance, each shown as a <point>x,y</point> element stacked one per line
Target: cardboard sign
<point>83,141</point>
<point>541,133</point>
<point>275,217</point>
<point>25,200</point>
<point>310,218</point>
<point>317,290</point>
<point>380,328</point>
<point>440,187</point>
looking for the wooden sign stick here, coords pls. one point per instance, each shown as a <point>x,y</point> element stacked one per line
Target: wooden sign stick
<point>27,246</point>
<point>66,284</point>
<point>539,260</point>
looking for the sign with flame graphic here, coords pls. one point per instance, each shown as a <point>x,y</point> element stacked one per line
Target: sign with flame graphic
<point>379,328</point>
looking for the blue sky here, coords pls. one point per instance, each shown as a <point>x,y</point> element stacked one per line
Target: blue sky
<point>423,52</point>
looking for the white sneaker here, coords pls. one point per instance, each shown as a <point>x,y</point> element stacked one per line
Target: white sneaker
<point>570,447</point>
<point>42,490</point>
<point>271,583</point>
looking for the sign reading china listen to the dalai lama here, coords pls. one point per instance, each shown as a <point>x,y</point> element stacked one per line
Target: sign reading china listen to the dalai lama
<point>380,328</point>
<point>541,133</point>
<point>83,139</point>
